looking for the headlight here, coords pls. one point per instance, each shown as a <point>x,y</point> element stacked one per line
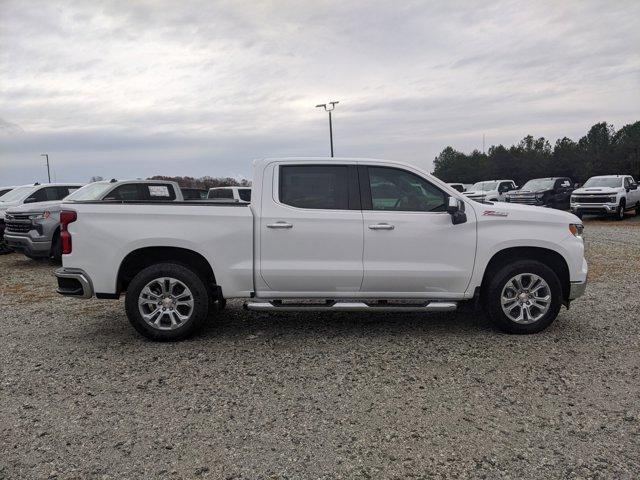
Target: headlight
<point>40,216</point>
<point>576,229</point>
<point>613,199</point>
<point>539,196</point>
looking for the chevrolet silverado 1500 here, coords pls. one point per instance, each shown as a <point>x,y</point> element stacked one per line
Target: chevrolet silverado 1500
<point>329,235</point>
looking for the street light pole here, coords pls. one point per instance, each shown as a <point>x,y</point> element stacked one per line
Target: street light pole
<point>48,171</point>
<point>329,108</point>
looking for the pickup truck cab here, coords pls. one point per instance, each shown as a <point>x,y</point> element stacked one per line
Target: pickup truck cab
<point>34,228</point>
<point>31,194</point>
<point>324,234</point>
<point>490,190</point>
<point>553,192</point>
<point>239,194</point>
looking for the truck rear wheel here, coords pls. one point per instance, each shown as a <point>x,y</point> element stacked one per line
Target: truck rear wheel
<point>167,302</point>
<point>523,297</point>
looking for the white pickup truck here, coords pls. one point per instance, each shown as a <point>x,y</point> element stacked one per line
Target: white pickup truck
<point>330,235</point>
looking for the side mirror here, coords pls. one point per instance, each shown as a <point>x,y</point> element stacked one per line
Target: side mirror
<point>31,200</point>
<point>455,208</point>
<point>633,186</point>
<point>576,185</point>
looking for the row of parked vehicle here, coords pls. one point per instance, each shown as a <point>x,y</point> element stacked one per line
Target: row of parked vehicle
<point>30,214</point>
<point>604,194</point>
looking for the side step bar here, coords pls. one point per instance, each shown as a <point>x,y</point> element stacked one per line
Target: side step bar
<point>278,306</point>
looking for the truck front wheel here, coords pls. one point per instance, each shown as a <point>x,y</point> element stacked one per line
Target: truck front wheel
<point>167,302</point>
<point>523,297</point>
<point>620,210</point>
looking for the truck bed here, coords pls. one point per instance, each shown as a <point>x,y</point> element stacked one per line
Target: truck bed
<point>107,231</point>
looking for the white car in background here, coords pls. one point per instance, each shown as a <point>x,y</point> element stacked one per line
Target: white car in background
<point>239,194</point>
<point>490,190</point>
<point>608,195</point>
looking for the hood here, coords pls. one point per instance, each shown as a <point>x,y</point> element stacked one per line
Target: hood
<point>525,213</point>
<point>5,205</point>
<point>36,207</point>
<point>597,190</point>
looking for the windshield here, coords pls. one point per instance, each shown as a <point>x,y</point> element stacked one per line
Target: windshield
<point>93,191</point>
<point>539,184</point>
<point>16,194</point>
<point>485,186</point>
<point>603,182</point>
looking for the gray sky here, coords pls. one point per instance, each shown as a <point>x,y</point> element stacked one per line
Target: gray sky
<point>135,88</point>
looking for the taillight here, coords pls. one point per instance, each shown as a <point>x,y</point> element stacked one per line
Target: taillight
<point>66,217</point>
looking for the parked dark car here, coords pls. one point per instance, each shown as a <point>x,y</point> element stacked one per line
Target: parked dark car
<point>553,192</point>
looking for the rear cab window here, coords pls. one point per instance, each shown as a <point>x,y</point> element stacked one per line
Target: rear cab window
<point>323,187</point>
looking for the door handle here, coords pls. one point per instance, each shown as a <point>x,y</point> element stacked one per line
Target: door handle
<point>279,225</point>
<point>382,226</point>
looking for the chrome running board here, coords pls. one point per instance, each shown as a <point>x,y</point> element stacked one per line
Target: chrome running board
<point>335,306</point>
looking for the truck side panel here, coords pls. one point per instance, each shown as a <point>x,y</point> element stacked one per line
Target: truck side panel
<point>105,234</point>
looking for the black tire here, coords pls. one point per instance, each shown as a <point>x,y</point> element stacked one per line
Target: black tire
<point>4,248</point>
<point>56,248</point>
<point>221,304</point>
<point>185,275</point>
<point>638,210</point>
<point>620,210</point>
<point>497,281</point>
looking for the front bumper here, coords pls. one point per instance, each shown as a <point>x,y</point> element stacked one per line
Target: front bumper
<point>27,245</point>
<point>607,208</point>
<point>577,289</point>
<point>74,282</point>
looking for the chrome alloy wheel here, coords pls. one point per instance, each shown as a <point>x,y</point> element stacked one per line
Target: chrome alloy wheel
<point>526,298</point>
<point>165,303</point>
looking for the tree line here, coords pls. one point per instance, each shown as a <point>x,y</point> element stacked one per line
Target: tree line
<point>204,182</point>
<point>602,151</point>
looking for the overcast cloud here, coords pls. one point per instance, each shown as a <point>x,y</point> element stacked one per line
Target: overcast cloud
<point>131,89</point>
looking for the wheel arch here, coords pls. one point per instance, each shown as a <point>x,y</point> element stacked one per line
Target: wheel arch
<point>141,258</point>
<point>552,259</point>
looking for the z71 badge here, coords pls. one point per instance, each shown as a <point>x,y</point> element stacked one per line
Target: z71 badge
<point>494,213</point>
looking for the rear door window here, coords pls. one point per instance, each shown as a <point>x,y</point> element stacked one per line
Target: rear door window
<point>315,186</point>
<point>127,192</point>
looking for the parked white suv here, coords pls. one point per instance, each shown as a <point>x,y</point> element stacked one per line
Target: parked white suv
<point>325,234</point>
<point>606,194</point>
<point>490,190</point>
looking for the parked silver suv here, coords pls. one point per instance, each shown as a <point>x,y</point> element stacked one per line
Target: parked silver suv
<point>34,229</point>
<point>32,195</point>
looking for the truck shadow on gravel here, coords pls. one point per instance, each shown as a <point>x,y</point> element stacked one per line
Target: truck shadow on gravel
<point>236,325</point>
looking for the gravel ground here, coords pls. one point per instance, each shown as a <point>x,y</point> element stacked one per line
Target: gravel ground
<point>324,395</point>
